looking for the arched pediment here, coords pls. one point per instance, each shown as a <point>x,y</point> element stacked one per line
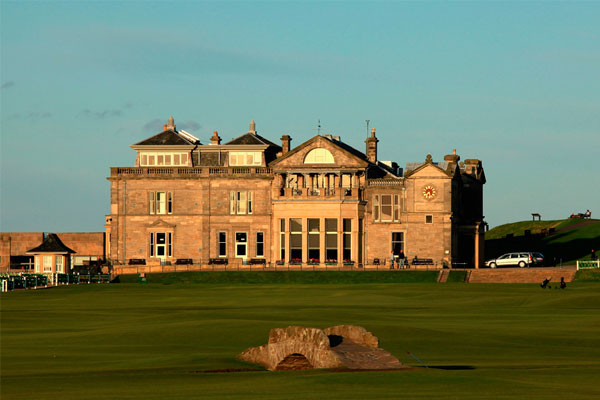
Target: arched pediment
<point>319,155</point>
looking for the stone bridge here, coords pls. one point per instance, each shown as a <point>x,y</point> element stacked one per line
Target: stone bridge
<point>297,347</point>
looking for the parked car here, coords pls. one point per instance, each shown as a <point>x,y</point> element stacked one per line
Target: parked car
<point>519,259</point>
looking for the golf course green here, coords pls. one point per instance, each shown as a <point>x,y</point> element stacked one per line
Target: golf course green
<point>180,340</point>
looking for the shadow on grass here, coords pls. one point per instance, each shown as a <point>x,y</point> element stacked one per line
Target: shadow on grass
<point>451,367</point>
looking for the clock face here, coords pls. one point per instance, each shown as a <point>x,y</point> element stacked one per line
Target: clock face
<point>429,192</point>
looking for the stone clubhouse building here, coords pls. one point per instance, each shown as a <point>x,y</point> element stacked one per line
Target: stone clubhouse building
<point>251,200</point>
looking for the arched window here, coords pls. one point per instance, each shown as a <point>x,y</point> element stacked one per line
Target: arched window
<point>319,156</point>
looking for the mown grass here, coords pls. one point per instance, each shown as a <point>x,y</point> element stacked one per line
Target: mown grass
<point>156,341</point>
<point>286,277</point>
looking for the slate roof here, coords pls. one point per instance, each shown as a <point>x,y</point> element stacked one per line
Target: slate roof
<point>250,138</point>
<point>411,166</point>
<point>168,137</point>
<point>51,244</point>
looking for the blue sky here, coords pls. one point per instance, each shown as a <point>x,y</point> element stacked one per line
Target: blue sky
<point>515,84</point>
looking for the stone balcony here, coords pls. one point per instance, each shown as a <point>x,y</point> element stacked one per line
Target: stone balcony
<point>320,193</point>
<point>189,172</point>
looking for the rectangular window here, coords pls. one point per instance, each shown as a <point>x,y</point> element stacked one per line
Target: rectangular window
<point>245,158</point>
<point>47,263</point>
<point>282,238</point>
<point>37,264</point>
<point>314,239</point>
<point>160,202</point>
<point>386,208</point>
<point>59,264</point>
<point>222,244</point>
<point>331,239</point>
<point>397,242</point>
<point>347,239</point>
<point>260,244</point>
<point>169,245</point>
<point>151,159</point>
<point>295,239</point>
<point>152,244</point>
<point>240,202</point>
<point>429,219</point>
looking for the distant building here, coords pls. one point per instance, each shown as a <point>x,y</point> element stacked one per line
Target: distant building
<point>88,248</point>
<point>322,201</point>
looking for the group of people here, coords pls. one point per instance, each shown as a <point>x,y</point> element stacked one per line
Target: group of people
<point>546,283</point>
<point>586,215</point>
<point>399,259</point>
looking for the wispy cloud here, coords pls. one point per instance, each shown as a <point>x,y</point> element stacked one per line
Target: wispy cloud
<point>7,85</point>
<point>100,114</point>
<point>154,126</point>
<point>189,125</point>
<point>33,116</point>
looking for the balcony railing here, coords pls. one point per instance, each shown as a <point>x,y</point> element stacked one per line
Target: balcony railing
<point>187,172</point>
<point>325,193</point>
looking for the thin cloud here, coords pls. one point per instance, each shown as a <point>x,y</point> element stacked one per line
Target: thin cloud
<point>155,125</point>
<point>101,114</point>
<point>189,125</point>
<point>8,84</point>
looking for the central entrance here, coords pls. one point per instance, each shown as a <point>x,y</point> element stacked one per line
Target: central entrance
<point>161,245</point>
<point>241,245</point>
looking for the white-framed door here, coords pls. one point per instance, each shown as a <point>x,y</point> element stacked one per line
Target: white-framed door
<point>241,245</point>
<point>161,245</point>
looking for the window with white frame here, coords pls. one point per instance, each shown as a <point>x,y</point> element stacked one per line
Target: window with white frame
<point>282,238</point>
<point>260,244</point>
<point>240,202</point>
<point>160,159</point>
<point>314,239</point>
<point>161,202</point>
<point>331,238</point>
<point>47,263</point>
<point>386,208</point>
<point>161,244</point>
<point>59,264</point>
<point>245,158</point>
<point>347,239</point>
<point>222,244</point>
<point>319,156</point>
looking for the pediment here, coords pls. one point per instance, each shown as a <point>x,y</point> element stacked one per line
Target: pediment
<point>160,223</point>
<point>342,157</point>
<point>428,170</point>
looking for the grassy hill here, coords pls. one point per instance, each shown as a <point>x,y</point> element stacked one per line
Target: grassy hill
<point>572,239</point>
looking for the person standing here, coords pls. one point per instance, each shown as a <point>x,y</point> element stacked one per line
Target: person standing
<point>392,259</point>
<point>593,255</point>
<point>401,258</point>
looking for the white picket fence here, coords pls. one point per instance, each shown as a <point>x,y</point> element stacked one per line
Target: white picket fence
<point>588,264</point>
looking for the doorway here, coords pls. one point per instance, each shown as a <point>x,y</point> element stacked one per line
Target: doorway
<point>241,245</point>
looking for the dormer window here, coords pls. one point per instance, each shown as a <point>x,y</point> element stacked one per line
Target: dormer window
<point>245,158</point>
<point>159,159</point>
<point>319,156</point>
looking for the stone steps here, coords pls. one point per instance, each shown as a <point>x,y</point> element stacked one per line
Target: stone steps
<point>521,275</point>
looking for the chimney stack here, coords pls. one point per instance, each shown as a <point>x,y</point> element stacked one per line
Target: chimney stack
<point>252,128</point>
<point>171,124</point>
<point>285,144</point>
<point>472,166</point>
<point>372,147</point>
<point>452,158</point>
<point>215,139</point>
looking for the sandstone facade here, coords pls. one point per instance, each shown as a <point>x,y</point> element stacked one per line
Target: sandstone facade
<point>322,202</point>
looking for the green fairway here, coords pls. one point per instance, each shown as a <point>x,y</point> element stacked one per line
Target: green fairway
<point>160,341</point>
